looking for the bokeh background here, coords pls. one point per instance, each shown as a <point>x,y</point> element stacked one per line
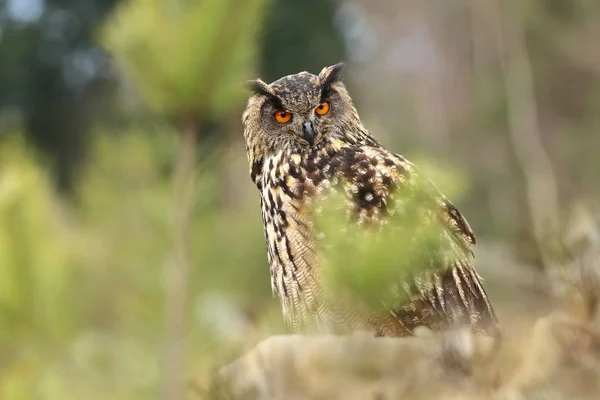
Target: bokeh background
<point>131,247</point>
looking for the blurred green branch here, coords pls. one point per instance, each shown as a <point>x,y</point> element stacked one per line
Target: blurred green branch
<point>188,58</point>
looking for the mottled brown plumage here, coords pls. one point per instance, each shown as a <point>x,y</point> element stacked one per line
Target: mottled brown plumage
<point>297,164</point>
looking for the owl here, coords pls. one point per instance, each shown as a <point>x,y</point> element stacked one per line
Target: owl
<point>305,142</point>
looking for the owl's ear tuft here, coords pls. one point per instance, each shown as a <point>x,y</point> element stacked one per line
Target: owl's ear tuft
<point>258,86</point>
<point>330,74</point>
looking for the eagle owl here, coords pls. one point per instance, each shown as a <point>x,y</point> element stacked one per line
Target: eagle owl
<point>305,141</point>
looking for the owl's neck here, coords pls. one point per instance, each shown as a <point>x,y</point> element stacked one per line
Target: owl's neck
<point>264,169</point>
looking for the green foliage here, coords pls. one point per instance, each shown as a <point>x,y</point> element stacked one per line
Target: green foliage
<point>82,288</point>
<point>187,57</point>
<point>39,312</point>
<point>79,291</point>
<point>452,182</point>
<point>370,261</point>
<point>36,262</point>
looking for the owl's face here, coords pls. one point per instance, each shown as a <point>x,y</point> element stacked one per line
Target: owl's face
<point>296,112</point>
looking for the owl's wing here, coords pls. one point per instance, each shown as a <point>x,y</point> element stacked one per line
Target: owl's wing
<point>386,189</point>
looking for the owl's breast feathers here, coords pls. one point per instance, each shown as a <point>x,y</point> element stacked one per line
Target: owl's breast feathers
<point>376,185</point>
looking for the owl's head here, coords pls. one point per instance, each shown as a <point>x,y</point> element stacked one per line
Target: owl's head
<point>296,112</point>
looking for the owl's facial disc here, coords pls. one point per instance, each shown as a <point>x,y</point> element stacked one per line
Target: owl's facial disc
<point>297,111</point>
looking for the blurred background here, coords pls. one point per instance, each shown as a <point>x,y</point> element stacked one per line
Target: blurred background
<point>131,246</point>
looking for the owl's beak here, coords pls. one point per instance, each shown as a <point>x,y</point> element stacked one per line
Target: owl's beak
<point>309,132</point>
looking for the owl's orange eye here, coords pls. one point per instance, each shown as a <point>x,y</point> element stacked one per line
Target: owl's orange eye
<point>323,108</point>
<point>282,116</point>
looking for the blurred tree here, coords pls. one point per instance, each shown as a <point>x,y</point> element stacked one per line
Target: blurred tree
<point>53,73</point>
<point>37,266</point>
<point>188,59</point>
<point>300,36</point>
<point>50,71</point>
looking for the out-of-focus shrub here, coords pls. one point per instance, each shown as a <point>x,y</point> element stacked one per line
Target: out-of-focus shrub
<point>186,57</point>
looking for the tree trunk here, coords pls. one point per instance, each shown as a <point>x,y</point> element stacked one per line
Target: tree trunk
<point>177,288</point>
